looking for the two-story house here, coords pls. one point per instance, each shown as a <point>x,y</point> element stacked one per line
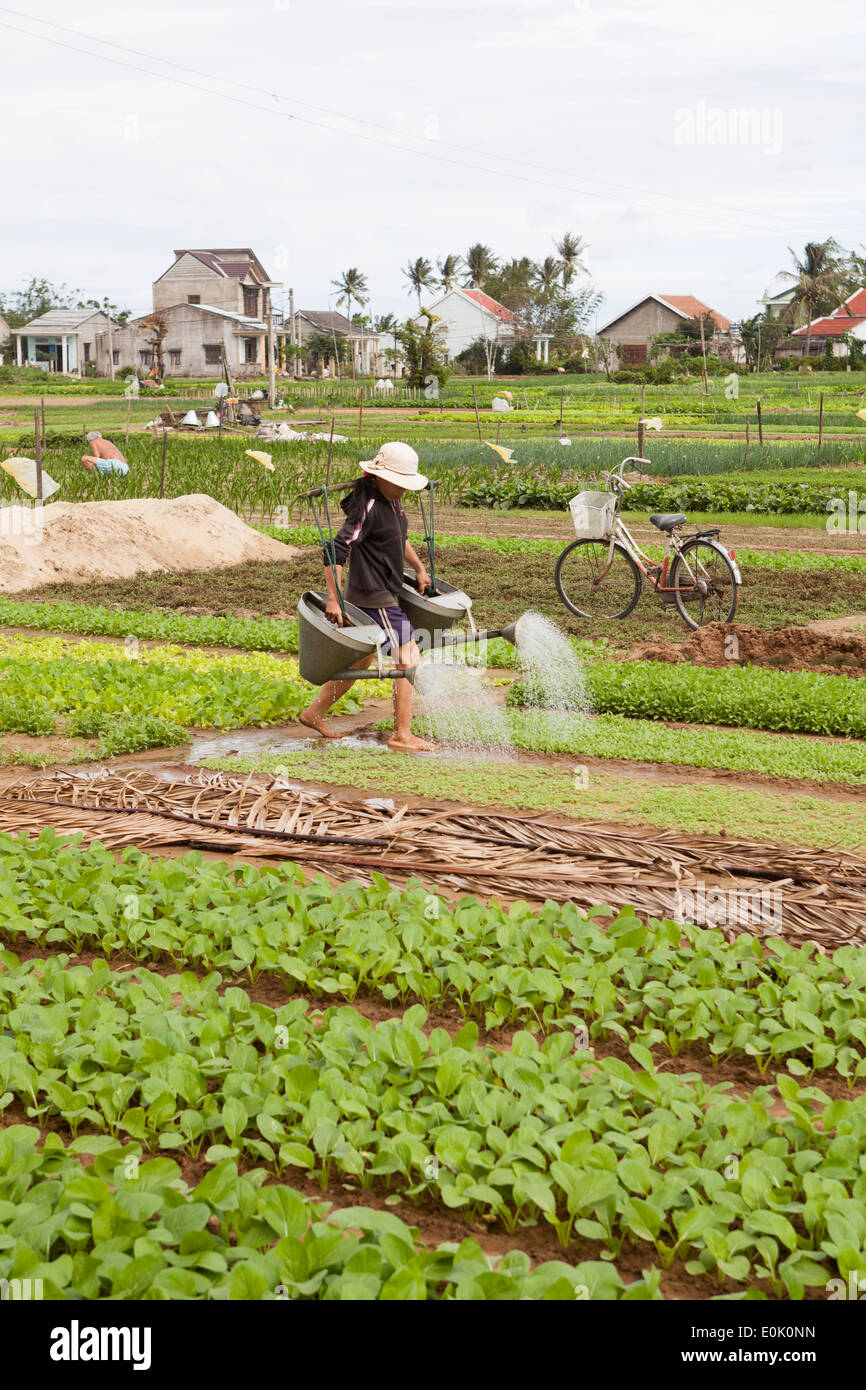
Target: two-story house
<point>214,302</point>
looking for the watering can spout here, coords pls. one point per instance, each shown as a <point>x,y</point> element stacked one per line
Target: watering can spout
<point>509,633</point>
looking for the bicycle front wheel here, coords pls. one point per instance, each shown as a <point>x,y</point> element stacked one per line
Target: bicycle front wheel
<point>705,585</point>
<point>590,587</point>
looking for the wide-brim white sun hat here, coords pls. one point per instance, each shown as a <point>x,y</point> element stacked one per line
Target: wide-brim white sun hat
<point>397,463</point>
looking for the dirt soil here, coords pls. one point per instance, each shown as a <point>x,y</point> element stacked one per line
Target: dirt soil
<point>834,652</point>
<point>85,541</point>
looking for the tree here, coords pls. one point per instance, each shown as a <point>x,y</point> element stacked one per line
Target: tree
<point>157,327</point>
<point>761,336</point>
<point>449,270</point>
<point>121,316</point>
<point>387,324</point>
<point>321,347</point>
<point>512,284</point>
<point>419,276</point>
<point>570,249</point>
<point>424,350</point>
<point>352,286</point>
<point>546,275</point>
<point>480,265</point>
<point>816,280</point>
<point>37,297</point>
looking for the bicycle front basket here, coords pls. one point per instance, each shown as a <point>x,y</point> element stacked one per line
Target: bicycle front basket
<point>592,514</point>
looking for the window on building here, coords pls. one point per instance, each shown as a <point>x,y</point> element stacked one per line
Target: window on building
<point>87,356</point>
<point>145,357</point>
<point>174,357</point>
<point>213,354</point>
<point>250,349</point>
<point>193,299</point>
<point>115,357</point>
<point>251,302</point>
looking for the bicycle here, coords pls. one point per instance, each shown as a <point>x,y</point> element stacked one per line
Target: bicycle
<point>602,576</point>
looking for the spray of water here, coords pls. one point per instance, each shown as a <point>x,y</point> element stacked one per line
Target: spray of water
<point>553,676</point>
<point>458,709</point>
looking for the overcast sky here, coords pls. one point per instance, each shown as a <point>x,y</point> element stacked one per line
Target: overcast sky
<point>689,145</point>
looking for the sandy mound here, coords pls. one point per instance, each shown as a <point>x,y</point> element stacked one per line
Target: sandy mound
<point>74,542</point>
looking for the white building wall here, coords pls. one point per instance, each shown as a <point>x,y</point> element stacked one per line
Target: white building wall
<point>464,321</point>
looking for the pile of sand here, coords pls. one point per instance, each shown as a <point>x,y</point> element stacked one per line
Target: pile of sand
<point>70,542</point>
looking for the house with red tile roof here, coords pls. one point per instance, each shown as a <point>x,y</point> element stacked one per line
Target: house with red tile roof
<point>468,314</point>
<point>849,317</point>
<point>635,329</point>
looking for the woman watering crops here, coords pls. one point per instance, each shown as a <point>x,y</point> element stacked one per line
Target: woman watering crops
<point>373,540</point>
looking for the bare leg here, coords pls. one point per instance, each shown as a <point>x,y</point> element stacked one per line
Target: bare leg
<point>313,716</point>
<point>403,740</point>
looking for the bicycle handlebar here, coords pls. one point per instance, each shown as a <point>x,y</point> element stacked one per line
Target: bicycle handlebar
<point>615,477</point>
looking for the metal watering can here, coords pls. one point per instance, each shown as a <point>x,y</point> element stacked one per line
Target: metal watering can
<point>327,652</point>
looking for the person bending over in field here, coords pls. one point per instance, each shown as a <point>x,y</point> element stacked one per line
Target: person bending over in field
<point>373,539</point>
<point>104,456</point>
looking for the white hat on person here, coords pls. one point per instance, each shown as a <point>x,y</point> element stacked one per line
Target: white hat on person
<point>397,463</point>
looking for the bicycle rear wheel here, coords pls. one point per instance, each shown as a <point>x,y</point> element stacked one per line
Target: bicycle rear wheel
<point>590,588</point>
<point>705,585</point>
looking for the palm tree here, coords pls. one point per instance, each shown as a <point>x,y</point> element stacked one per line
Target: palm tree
<point>546,274</point>
<point>352,285</point>
<point>449,269</point>
<point>815,279</point>
<point>571,249</point>
<point>419,276</point>
<point>480,263</point>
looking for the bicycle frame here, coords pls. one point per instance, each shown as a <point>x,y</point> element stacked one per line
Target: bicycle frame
<point>621,535</point>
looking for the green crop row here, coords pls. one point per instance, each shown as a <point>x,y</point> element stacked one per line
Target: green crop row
<point>543,473</point>
<point>247,634</point>
<point>94,1219</point>
<point>644,740</point>
<point>662,984</point>
<point>537,489</point>
<point>743,696</point>
<point>97,687</point>
<point>618,1154</point>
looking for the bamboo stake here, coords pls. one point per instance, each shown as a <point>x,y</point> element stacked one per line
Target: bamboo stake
<point>38,437</point>
<point>477,416</point>
<point>44,431</point>
<point>128,405</point>
<point>360,415</point>
<point>820,421</point>
<point>760,422</point>
<point>164,454</point>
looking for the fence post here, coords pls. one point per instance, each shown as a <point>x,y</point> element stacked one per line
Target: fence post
<point>164,452</point>
<point>477,416</point>
<point>38,438</point>
<point>820,421</point>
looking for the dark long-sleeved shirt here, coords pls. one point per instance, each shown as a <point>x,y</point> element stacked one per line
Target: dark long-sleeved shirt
<point>372,540</point>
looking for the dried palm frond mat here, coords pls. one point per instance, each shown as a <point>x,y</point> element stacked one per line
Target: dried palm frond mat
<point>773,890</point>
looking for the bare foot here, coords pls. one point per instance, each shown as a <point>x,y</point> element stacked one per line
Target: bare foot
<point>317,723</point>
<point>408,743</point>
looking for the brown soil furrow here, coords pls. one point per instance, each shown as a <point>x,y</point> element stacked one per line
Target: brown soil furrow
<point>739,1072</point>
<point>437,1225</point>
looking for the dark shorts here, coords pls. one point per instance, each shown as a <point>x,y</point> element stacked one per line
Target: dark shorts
<point>397,627</point>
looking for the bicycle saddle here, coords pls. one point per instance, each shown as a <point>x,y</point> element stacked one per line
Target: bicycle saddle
<point>666,521</point>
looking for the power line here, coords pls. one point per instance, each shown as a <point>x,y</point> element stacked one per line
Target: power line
<point>353,134</point>
<point>376,125</point>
